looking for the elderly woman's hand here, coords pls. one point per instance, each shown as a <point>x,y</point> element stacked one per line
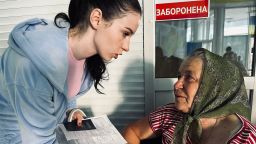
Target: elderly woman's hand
<point>76,114</point>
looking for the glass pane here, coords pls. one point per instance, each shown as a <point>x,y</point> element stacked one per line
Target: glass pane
<point>236,42</point>
<point>170,43</point>
<point>176,39</point>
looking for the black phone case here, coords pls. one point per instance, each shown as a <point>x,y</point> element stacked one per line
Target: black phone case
<point>86,125</point>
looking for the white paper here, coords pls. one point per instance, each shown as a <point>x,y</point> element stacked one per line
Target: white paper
<point>105,133</point>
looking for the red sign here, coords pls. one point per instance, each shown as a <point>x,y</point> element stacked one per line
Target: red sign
<point>184,9</point>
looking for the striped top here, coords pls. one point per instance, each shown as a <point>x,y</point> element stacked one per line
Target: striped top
<point>164,120</point>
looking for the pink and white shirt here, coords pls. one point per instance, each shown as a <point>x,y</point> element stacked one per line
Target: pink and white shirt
<point>164,120</point>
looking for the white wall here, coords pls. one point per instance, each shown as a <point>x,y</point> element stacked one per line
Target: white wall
<point>124,91</point>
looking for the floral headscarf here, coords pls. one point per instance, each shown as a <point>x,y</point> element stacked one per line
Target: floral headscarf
<point>221,92</point>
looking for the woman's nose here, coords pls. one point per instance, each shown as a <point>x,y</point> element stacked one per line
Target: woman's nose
<point>126,44</point>
<point>178,84</point>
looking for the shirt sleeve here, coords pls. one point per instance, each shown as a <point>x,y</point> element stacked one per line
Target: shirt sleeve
<point>246,134</point>
<point>155,120</point>
<point>157,117</point>
<point>164,118</point>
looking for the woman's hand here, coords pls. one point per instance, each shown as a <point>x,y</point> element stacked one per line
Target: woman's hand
<point>76,114</point>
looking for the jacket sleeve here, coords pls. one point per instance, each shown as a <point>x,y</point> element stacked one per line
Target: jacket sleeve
<point>37,107</point>
<point>35,113</point>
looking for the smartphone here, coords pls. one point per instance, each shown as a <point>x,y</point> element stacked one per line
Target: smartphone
<point>86,125</point>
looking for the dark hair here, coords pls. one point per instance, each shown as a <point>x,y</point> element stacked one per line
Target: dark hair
<point>228,48</point>
<point>78,17</point>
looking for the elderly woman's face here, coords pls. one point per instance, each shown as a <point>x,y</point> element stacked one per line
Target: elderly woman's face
<point>188,82</point>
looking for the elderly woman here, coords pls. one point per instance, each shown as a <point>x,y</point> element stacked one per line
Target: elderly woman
<point>211,106</point>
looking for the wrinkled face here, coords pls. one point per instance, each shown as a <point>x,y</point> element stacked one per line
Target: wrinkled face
<point>188,82</point>
<point>114,38</point>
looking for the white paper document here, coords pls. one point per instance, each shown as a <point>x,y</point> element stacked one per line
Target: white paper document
<point>105,133</point>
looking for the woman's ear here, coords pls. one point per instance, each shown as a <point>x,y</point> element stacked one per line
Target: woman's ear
<point>96,18</point>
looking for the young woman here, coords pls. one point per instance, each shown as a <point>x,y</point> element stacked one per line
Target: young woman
<point>48,65</point>
<point>211,106</point>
